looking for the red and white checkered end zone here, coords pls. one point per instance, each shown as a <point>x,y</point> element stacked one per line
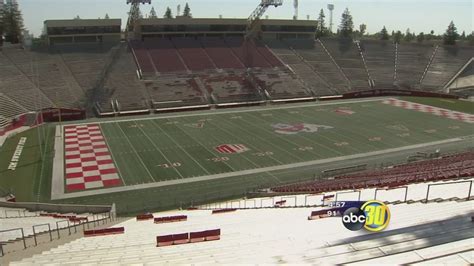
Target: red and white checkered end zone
<point>432,110</point>
<point>87,159</point>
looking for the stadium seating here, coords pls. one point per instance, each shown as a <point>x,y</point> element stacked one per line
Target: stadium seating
<point>19,88</point>
<point>380,59</point>
<point>142,57</point>
<point>347,56</point>
<point>269,236</point>
<point>164,55</point>
<point>175,91</point>
<point>460,165</point>
<point>303,69</point>
<point>123,88</point>
<point>14,218</point>
<point>247,52</point>
<point>445,64</point>
<point>322,62</point>
<point>221,54</point>
<point>281,84</point>
<point>193,54</point>
<point>412,60</point>
<point>230,88</point>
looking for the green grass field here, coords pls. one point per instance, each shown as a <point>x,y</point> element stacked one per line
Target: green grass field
<point>183,146</point>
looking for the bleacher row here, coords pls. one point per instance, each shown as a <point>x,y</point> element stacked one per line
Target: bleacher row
<point>272,236</point>
<point>190,54</point>
<point>174,72</point>
<point>459,165</point>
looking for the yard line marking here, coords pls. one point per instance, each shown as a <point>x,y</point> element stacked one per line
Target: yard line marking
<point>158,149</point>
<point>213,153</point>
<point>179,146</point>
<point>255,171</point>
<point>302,135</point>
<point>113,157</point>
<point>133,148</point>
<point>254,147</point>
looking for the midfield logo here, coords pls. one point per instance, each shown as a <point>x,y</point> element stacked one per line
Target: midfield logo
<point>290,129</point>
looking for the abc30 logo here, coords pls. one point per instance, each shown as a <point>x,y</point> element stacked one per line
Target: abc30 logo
<point>373,215</point>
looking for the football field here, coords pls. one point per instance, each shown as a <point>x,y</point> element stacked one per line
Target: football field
<point>185,148</point>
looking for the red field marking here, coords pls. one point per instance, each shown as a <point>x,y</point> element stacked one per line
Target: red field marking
<point>88,162</point>
<point>431,110</point>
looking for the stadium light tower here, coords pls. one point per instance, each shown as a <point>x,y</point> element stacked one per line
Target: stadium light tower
<point>134,14</point>
<point>331,9</point>
<point>295,5</point>
<point>257,14</point>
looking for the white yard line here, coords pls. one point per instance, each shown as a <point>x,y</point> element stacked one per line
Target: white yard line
<point>179,146</point>
<point>133,148</point>
<point>159,150</point>
<point>253,171</point>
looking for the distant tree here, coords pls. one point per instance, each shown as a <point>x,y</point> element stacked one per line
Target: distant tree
<point>12,22</point>
<point>346,27</point>
<point>384,34</point>
<point>397,36</point>
<point>451,35</point>
<point>463,35</point>
<point>77,17</point>
<point>107,16</point>
<point>168,13</point>
<point>187,11</point>
<point>153,13</point>
<point>420,37</point>
<point>470,39</point>
<point>321,29</point>
<point>2,26</point>
<point>362,29</point>
<point>409,36</point>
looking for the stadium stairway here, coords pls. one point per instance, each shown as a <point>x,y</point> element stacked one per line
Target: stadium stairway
<point>380,60</point>
<point>273,236</point>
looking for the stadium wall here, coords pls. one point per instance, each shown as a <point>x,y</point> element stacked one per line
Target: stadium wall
<point>395,92</point>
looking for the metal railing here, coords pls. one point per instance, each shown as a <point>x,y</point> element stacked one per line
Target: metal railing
<point>62,225</point>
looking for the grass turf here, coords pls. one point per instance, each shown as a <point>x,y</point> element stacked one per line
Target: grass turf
<point>175,148</point>
<point>158,149</point>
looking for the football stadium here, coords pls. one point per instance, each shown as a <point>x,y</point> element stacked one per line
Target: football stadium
<point>251,140</point>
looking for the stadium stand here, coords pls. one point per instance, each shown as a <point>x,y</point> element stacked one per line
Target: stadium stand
<point>169,91</point>
<point>124,92</point>
<point>9,108</point>
<point>164,55</point>
<point>454,166</point>
<point>413,227</point>
<point>380,60</point>
<point>302,68</point>
<point>231,87</point>
<point>220,53</point>
<point>142,57</point>
<point>412,60</point>
<point>446,63</point>
<point>193,54</point>
<point>247,52</point>
<point>16,218</point>
<point>347,56</point>
<point>19,88</point>
<point>280,84</point>
<point>316,55</point>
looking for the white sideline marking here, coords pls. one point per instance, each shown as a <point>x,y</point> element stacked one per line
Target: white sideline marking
<point>247,172</point>
<point>57,182</point>
<point>241,110</point>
